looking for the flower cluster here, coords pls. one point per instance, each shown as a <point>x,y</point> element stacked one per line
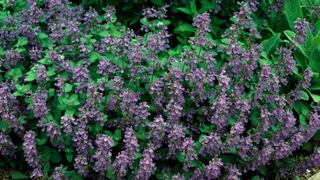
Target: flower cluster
<point>83,96</point>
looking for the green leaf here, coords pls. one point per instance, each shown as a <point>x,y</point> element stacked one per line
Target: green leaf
<point>67,87</point>
<point>314,60</point>
<point>18,175</point>
<point>304,96</point>
<point>185,27</point>
<point>42,140</point>
<point>292,10</point>
<point>4,126</point>
<point>31,75</point>
<point>16,73</point>
<point>158,2</point>
<point>22,41</point>
<point>180,156</point>
<point>315,97</point>
<point>117,135</point>
<point>138,155</point>
<point>55,156</point>
<point>42,35</point>
<point>185,10</point>
<point>270,43</point>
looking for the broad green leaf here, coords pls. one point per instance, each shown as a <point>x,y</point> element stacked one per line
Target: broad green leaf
<point>31,75</point>
<point>67,87</point>
<point>22,41</point>
<point>315,97</point>
<point>292,10</point>
<point>270,43</point>
<point>180,156</point>
<point>185,27</point>
<point>18,175</point>
<point>304,96</point>
<point>117,135</point>
<point>42,35</point>
<point>4,126</point>
<point>314,60</point>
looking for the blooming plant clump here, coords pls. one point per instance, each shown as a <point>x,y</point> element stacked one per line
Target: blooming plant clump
<point>84,97</point>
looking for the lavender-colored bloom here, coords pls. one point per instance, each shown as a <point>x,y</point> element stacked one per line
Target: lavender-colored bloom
<point>106,68</point>
<point>213,169</point>
<point>31,154</point>
<point>39,103</point>
<point>102,154</point>
<point>189,152</point>
<point>131,143</point>
<point>210,144</point>
<point>67,123</point>
<point>42,74</point>
<point>158,130</point>
<point>159,41</point>
<point>12,58</point>
<point>146,164</point>
<point>307,76</point>
<point>178,177</point>
<point>59,173</point>
<point>175,139</point>
<point>81,140</point>
<point>81,165</point>
<point>7,147</point>
<point>300,26</point>
<point>52,131</point>
<point>233,173</point>
<point>202,22</point>
<point>121,163</point>
<point>35,53</point>
<point>282,149</point>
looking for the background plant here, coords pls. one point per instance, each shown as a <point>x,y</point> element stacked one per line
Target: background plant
<point>220,93</point>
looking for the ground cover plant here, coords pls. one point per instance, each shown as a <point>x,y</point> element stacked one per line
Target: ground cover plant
<point>229,90</point>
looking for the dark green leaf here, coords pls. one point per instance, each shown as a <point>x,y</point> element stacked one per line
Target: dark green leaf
<point>18,175</point>
<point>270,43</point>
<point>4,126</point>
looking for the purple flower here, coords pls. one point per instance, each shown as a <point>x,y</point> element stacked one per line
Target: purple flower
<point>300,26</point>
<point>175,139</point>
<point>213,169</point>
<point>42,74</point>
<point>307,76</point>
<point>189,152</point>
<point>102,154</point>
<point>81,165</point>
<point>146,164</point>
<point>31,154</point>
<point>121,163</point>
<point>39,103</point>
<point>7,147</point>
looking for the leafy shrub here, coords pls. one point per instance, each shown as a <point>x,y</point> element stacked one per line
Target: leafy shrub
<point>84,96</point>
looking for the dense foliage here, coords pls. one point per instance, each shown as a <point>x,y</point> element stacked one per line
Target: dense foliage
<point>224,90</point>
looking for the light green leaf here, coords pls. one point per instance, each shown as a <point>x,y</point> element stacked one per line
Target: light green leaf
<point>270,43</point>
<point>292,10</point>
